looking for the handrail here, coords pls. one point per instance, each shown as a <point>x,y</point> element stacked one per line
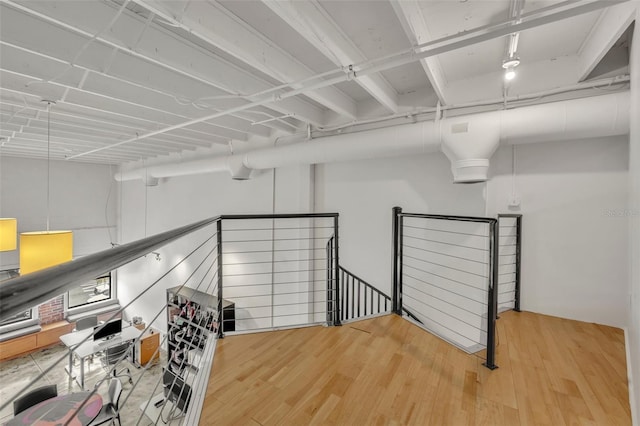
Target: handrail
<point>24,292</point>
<point>449,217</point>
<point>376,291</point>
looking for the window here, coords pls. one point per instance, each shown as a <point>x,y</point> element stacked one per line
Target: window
<point>21,319</point>
<point>22,316</point>
<point>94,291</point>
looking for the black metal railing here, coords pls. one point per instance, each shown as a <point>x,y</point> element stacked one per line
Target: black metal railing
<point>510,254</point>
<point>263,262</point>
<point>360,299</point>
<point>445,271</point>
<point>276,270</point>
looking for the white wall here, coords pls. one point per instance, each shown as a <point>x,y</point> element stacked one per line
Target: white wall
<point>183,200</point>
<point>574,242</point>
<point>83,199</point>
<point>364,193</point>
<point>634,224</point>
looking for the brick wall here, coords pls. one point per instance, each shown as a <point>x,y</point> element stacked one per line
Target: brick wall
<point>51,311</point>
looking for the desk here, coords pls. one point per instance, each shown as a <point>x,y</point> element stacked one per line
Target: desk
<point>91,347</point>
<point>58,411</point>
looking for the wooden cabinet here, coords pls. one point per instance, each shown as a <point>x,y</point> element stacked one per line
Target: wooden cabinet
<point>146,348</point>
<point>49,335</point>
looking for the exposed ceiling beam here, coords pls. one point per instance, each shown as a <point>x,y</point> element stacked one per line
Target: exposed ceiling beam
<point>415,27</point>
<point>611,23</point>
<point>95,117</point>
<point>111,104</point>
<point>238,39</point>
<point>529,20</point>
<point>313,23</point>
<point>28,63</point>
<point>40,125</point>
<point>157,46</point>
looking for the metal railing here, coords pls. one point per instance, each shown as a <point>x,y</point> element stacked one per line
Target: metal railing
<point>510,254</point>
<point>445,271</point>
<point>276,271</point>
<point>359,299</point>
<point>272,262</point>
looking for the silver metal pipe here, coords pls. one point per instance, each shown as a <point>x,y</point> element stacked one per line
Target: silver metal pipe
<point>21,293</point>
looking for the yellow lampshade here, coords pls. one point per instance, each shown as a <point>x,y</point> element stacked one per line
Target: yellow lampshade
<point>40,250</point>
<point>8,233</point>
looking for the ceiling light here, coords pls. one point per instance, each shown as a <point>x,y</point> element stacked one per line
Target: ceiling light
<point>510,74</point>
<point>8,231</point>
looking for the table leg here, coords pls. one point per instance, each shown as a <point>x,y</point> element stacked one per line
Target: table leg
<point>82,373</point>
<point>70,364</point>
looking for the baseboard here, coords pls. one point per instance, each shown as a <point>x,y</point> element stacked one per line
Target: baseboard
<point>635,416</point>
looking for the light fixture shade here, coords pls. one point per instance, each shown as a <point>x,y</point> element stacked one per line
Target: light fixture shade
<point>8,233</point>
<point>40,250</point>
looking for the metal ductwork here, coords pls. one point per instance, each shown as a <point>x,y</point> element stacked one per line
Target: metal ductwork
<point>468,141</point>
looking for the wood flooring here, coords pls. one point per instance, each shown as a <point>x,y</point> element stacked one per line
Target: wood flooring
<point>386,371</point>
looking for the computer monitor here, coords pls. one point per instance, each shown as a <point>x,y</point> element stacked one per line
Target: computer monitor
<point>107,330</point>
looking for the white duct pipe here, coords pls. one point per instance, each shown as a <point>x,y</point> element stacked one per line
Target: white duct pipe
<point>468,141</point>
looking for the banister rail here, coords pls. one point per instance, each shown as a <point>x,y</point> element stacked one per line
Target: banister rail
<point>21,293</point>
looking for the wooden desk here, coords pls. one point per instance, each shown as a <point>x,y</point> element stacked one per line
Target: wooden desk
<point>59,410</point>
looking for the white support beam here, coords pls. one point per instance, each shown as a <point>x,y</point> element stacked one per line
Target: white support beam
<point>611,23</point>
<point>157,47</point>
<point>238,39</point>
<point>415,26</point>
<point>313,23</point>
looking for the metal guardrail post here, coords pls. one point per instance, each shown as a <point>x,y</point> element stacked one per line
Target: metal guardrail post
<point>330,276</point>
<point>492,301</point>
<point>518,259</point>
<point>396,261</point>
<point>336,267</point>
<point>220,280</point>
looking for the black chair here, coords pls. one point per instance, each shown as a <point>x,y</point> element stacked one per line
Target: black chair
<point>110,411</point>
<point>34,397</point>
<point>111,357</point>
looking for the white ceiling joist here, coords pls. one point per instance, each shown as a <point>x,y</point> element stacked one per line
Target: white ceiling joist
<point>63,115</point>
<point>445,44</point>
<point>610,26</point>
<point>15,81</point>
<point>415,26</point>
<point>20,60</point>
<point>312,22</point>
<point>239,40</point>
<point>61,108</point>
<point>157,47</point>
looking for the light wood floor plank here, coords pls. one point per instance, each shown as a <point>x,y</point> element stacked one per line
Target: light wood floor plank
<point>387,371</point>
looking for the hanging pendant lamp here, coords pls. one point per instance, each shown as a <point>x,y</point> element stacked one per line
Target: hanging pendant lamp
<point>40,250</point>
<point>8,232</point>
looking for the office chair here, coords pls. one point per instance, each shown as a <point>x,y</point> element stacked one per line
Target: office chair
<point>87,322</point>
<point>110,411</point>
<point>34,397</point>
<point>111,357</point>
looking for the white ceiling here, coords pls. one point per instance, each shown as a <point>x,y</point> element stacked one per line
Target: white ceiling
<point>140,79</point>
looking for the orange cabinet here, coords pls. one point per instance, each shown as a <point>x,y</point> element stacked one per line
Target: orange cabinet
<point>146,348</point>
